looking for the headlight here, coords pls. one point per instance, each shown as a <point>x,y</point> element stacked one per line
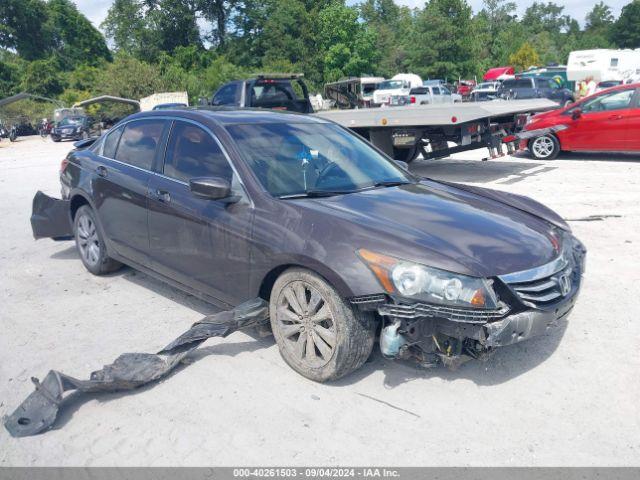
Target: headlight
<point>429,284</point>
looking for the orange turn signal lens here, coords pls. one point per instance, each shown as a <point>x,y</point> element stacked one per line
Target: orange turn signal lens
<point>478,299</point>
<point>381,266</point>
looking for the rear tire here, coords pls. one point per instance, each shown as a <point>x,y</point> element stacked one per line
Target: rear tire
<point>544,147</point>
<point>318,334</point>
<point>90,243</point>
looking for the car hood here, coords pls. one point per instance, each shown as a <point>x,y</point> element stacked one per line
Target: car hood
<point>445,227</point>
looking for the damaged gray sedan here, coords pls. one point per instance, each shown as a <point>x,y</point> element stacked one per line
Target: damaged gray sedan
<point>342,241</point>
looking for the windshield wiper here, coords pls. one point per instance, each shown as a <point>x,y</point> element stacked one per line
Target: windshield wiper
<point>392,183</point>
<point>317,193</point>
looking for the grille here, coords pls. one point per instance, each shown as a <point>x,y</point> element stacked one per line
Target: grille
<point>455,314</point>
<point>545,290</point>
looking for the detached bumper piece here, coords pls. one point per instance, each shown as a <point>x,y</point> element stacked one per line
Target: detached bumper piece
<point>50,218</point>
<point>131,370</point>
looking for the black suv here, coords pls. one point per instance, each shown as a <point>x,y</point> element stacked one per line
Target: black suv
<point>76,127</point>
<point>286,92</point>
<point>531,87</point>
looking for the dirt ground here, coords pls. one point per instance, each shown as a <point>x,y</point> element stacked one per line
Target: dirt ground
<point>571,397</point>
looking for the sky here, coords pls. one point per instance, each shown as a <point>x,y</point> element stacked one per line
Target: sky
<point>96,10</point>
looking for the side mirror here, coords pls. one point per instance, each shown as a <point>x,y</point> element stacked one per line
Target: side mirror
<point>576,114</point>
<point>213,188</point>
<point>402,165</point>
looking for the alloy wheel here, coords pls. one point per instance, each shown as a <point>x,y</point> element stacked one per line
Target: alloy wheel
<point>543,147</point>
<point>88,241</point>
<point>306,324</point>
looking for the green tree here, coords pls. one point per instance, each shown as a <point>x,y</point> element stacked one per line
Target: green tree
<point>525,57</point>
<point>625,31</point>
<point>74,38</point>
<point>23,28</point>
<point>599,18</point>
<point>348,46</point>
<point>441,42</point>
<point>42,77</point>
<point>125,25</point>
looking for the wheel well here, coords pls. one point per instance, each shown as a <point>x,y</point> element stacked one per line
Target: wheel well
<point>270,278</point>
<point>76,202</point>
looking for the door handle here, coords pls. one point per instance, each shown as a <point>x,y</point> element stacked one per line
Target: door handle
<point>101,171</point>
<point>163,196</point>
<point>616,117</point>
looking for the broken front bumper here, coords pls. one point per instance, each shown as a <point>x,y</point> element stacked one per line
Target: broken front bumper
<point>532,302</point>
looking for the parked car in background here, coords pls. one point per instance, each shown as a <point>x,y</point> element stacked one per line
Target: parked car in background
<point>75,127</point>
<point>396,91</point>
<point>340,240</point>
<point>607,121</point>
<point>270,91</point>
<point>535,87</point>
<point>485,91</point>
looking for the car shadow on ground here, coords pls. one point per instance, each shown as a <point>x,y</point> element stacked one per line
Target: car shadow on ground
<point>600,156</point>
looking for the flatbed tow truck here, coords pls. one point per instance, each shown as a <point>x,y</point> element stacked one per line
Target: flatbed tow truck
<point>403,132</point>
<point>406,132</point>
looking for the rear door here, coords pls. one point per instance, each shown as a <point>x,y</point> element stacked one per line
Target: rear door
<point>603,124</point>
<point>201,243</point>
<point>120,185</point>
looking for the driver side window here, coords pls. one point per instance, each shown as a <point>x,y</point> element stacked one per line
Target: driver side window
<point>618,100</point>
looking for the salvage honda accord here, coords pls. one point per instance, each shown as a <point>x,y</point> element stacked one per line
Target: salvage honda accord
<point>342,241</point>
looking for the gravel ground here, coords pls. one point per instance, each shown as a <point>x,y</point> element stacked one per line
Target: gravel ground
<point>568,398</point>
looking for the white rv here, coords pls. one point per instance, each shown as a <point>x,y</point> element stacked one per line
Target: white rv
<point>603,65</point>
<point>390,92</point>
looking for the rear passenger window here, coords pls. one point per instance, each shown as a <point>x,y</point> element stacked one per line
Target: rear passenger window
<point>111,142</point>
<point>192,152</point>
<point>139,141</point>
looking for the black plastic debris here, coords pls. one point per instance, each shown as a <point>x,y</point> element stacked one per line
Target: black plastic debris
<point>50,218</point>
<point>39,410</point>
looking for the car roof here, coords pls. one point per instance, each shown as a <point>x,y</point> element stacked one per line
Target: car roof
<point>232,116</point>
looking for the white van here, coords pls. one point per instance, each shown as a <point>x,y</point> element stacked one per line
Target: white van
<point>396,91</point>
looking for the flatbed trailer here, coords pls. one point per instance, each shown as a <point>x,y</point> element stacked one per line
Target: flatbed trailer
<point>409,131</point>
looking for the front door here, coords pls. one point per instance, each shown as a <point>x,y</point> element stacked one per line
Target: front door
<point>602,124</point>
<point>122,172</point>
<point>199,242</point>
<point>633,125</point>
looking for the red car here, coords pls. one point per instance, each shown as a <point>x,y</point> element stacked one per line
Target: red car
<point>606,121</point>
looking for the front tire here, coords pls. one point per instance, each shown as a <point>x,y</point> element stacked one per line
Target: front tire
<point>544,147</point>
<point>318,334</point>
<point>90,243</point>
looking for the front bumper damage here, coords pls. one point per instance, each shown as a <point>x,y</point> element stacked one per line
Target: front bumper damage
<point>435,334</point>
